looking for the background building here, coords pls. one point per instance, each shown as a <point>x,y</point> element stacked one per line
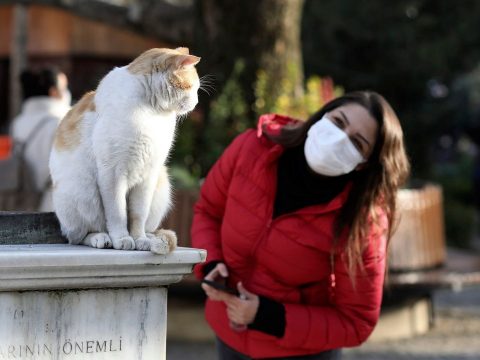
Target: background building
<point>84,49</point>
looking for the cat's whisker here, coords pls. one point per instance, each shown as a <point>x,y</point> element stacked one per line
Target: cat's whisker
<point>206,91</point>
<point>207,77</point>
<point>207,84</point>
<point>202,84</point>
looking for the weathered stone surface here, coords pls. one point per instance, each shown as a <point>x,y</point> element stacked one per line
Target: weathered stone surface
<point>120,324</point>
<point>63,266</point>
<point>29,228</point>
<point>60,301</point>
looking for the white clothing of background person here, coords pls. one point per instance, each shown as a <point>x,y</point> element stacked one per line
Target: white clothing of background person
<point>37,152</point>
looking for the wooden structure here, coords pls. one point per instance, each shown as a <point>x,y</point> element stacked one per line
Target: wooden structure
<point>419,259</point>
<point>84,49</point>
<point>419,241</point>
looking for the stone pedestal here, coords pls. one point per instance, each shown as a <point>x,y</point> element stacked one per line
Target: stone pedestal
<point>60,301</point>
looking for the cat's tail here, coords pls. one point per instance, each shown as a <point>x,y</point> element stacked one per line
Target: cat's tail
<point>165,241</point>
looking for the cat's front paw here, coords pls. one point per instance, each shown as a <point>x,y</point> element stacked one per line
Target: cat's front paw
<point>98,240</point>
<point>123,243</point>
<point>143,243</point>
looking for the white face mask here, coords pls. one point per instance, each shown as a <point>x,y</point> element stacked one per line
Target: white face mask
<point>329,151</point>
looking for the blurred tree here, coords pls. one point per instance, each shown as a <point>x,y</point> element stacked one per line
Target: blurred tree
<point>416,53</point>
<point>237,40</point>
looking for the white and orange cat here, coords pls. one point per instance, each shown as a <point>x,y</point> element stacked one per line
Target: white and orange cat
<point>110,181</point>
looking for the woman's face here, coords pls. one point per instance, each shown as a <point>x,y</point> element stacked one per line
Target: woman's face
<point>358,124</point>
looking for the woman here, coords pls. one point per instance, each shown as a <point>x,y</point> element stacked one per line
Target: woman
<point>297,217</point>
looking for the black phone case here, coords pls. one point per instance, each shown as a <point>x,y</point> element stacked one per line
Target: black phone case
<point>221,287</point>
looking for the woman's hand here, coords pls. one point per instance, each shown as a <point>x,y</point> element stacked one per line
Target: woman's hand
<point>241,310</point>
<point>219,271</point>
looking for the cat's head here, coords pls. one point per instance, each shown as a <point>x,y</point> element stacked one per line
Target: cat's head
<point>169,77</point>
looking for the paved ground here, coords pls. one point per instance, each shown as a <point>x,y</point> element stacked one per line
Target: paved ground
<point>455,335</point>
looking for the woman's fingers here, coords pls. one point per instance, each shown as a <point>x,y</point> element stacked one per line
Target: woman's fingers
<point>218,271</point>
<point>216,295</point>
<point>242,310</point>
<point>222,269</point>
<point>238,316</point>
<point>212,274</point>
<point>244,294</point>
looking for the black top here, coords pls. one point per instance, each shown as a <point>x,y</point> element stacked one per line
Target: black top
<point>298,186</point>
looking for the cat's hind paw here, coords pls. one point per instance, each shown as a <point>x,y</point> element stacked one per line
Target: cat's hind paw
<point>98,240</point>
<point>123,243</point>
<point>163,241</point>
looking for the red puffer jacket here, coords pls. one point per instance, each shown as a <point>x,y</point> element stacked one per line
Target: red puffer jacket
<point>286,259</point>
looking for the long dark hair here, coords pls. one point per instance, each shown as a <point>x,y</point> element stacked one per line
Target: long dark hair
<point>375,185</point>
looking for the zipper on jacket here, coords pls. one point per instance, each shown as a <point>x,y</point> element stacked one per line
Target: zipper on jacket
<point>332,284</point>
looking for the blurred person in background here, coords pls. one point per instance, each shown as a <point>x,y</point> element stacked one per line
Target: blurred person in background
<point>46,100</point>
<point>296,218</point>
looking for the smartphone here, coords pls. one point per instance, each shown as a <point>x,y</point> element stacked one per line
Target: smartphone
<point>221,287</point>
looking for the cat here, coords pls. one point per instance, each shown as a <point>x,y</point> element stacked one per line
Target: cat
<point>110,181</point>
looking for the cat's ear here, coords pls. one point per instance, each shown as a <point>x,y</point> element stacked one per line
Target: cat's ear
<point>186,60</point>
<point>183,50</point>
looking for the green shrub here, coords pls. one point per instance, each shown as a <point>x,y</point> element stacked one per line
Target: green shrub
<point>317,92</point>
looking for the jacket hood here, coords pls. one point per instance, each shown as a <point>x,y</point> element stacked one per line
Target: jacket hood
<point>272,123</point>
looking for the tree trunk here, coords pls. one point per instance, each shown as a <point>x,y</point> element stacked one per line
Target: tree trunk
<point>239,41</point>
<point>279,43</point>
<point>265,34</point>
<point>18,56</point>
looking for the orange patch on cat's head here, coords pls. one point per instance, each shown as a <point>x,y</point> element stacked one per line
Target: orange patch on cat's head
<point>183,50</point>
<point>177,63</point>
<point>68,134</point>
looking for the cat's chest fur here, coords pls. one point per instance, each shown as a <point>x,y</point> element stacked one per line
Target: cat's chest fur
<point>139,145</point>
